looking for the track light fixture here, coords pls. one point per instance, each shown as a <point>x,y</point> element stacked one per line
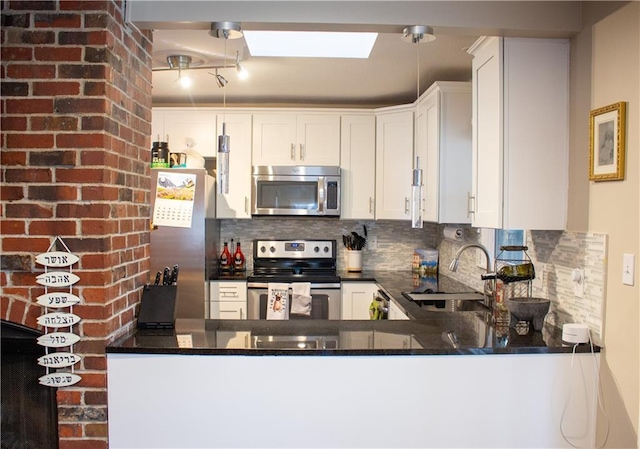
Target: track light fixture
<point>226,30</point>
<point>221,81</point>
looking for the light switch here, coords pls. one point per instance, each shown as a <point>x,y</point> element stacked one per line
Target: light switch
<point>628,268</point>
<point>577,276</point>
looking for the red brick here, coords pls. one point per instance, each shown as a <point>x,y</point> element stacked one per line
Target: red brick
<point>28,175</point>
<point>69,430</point>
<point>52,227</point>
<point>96,430</point>
<point>31,71</point>
<point>16,311</point>
<point>29,106</point>
<point>13,210</point>
<point>31,5</point>
<point>12,227</point>
<point>81,175</point>
<point>56,88</point>
<point>16,53</point>
<point>74,210</point>
<point>80,140</point>
<point>95,363</point>
<point>81,105</point>
<point>53,123</point>
<point>99,227</point>
<point>90,311</point>
<point>95,397</point>
<point>8,158</point>
<point>26,244</point>
<point>12,193</point>
<point>69,397</point>
<point>62,54</point>
<point>14,123</point>
<point>93,380</point>
<point>30,140</point>
<point>83,5</point>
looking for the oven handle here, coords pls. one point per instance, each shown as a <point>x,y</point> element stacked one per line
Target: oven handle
<point>314,285</point>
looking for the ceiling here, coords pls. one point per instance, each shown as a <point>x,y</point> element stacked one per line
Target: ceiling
<point>387,77</point>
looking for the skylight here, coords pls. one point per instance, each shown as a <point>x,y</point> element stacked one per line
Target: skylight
<point>310,44</point>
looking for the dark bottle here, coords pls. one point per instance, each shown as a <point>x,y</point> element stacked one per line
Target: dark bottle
<point>225,258</point>
<point>238,259</point>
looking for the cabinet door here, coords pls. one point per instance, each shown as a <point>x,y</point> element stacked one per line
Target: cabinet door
<point>235,204</point>
<point>191,129</point>
<point>427,154</point>
<point>394,165</point>
<point>157,126</point>
<point>358,166</point>
<point>274,139</point>
<point>356,299</point>
<point>395,312</point>
<point>318,139</point>
<point>487,139</point>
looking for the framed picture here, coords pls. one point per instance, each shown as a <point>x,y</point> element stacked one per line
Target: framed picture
<point>607,143</point>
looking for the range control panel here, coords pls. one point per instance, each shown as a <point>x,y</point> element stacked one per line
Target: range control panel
<point>295,249</point>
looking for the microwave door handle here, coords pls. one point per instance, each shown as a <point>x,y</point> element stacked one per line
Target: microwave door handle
<point>322,195</point>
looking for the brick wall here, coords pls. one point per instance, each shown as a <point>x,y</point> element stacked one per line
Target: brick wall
<point>76,112</point>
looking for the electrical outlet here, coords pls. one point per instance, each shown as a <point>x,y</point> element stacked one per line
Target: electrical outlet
<point>628,268</point>
<point>373,243</point>
<point>577,276</point>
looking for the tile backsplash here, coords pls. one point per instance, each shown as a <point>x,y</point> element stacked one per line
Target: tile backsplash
<point>554,253</point>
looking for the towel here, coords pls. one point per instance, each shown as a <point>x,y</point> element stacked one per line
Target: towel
<point>375,313</point>
<point>278,301</point>
<point>301,298</point>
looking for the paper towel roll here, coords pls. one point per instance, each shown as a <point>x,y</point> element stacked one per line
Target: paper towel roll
<point>453,233</point>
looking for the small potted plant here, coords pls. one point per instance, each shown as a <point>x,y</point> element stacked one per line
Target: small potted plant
<point>354,243</point>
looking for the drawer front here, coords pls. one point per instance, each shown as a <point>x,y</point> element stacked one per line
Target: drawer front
<point>228,310</point>
<point>228,291</point>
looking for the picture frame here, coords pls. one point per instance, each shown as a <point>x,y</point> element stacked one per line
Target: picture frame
<point>607,143</point>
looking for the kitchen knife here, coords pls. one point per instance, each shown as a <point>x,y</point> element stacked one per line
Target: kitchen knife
<point>158,276</point>
<point>166,277</point>
<point>174,275</point>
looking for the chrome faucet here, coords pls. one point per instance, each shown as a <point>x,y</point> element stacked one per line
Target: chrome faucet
<point>488,284</point>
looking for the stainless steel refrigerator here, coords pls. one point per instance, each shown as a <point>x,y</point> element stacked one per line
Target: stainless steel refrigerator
<point>185,232</point>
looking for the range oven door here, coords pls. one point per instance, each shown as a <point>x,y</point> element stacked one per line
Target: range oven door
<point>325,302</point>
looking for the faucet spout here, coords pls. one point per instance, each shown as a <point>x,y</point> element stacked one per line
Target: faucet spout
<point>488,284</point>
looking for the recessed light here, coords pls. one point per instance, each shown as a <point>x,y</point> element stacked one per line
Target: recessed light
<point>310,44</point>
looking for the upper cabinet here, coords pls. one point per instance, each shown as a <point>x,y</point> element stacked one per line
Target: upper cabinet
<point>358,166</point>
<point>443,149</point>
<point>236,203</point>
<point>186,129</point>
<point>394,162</point>
<point>520,133</point>
<point>296,139</point>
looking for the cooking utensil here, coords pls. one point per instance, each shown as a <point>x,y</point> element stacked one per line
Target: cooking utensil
<point>158,276</point>
<point>166,276</point>
<point>174,275</point>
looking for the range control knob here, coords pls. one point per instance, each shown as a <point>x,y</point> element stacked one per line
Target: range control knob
<point>316,249</point>
<point>263,249</point>
<point>272,249</point>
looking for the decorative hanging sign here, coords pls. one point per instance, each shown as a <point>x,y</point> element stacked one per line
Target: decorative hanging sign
<point>57,279</point>
<point>58,300</point>
<point>59,379</point>
<point>59,360</point>
<point>58,339</point>
<point>56,259</point>
<point>58,319</point>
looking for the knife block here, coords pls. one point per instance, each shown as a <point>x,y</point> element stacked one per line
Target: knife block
<point>157,307</point>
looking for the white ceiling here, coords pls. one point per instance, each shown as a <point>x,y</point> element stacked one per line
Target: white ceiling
<point>388,77</point>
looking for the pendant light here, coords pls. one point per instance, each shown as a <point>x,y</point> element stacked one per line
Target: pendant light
<point>415,35</point>
<point>224,30</point>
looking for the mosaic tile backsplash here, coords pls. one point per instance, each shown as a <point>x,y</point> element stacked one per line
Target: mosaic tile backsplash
<point>554,253</point>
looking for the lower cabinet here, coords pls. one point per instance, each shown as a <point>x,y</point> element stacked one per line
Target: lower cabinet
<point>228,300</point>
<point>356,299</point>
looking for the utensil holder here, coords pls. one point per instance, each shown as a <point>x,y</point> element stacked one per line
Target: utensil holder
<point>354,260</point>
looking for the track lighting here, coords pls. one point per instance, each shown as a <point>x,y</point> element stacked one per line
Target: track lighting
<point>221,81</point>
<point>242,72</point>
<point>226,30</point>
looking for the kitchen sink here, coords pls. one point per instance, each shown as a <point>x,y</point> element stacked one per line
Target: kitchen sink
<point>448,302</point>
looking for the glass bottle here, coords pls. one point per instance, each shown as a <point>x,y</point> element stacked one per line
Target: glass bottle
<point>238,259</point>
<point>225,258</point>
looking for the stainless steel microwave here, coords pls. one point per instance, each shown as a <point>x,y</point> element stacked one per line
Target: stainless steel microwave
<point>295,190</point>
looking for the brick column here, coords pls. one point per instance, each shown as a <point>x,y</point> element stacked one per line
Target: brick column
<point>76,113</point>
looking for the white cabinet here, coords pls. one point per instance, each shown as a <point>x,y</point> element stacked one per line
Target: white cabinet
<point>236,203</point>
<point>395,312</point>
<point>394,164</point>
<point>296,139</point>
<point>228,300</point>
<point>186,129</point>
<point>358,166</point>
<point>356,299</point>
<point>443,149</point>
<point>520,133</point>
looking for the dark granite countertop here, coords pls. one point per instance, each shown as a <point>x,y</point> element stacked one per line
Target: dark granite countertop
<point>426,333</point>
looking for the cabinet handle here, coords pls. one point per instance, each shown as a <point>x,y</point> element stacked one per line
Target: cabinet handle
<point>370,205</point>
<point>302,152</point>
<point>406,205</point>
<point>246,340</point>
<point>241,315</point>
<point>246,205</point>
<point>471,204</point>
<point>293,151</point>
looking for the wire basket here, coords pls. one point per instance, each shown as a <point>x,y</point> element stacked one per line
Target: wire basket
<point>515,274</point>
